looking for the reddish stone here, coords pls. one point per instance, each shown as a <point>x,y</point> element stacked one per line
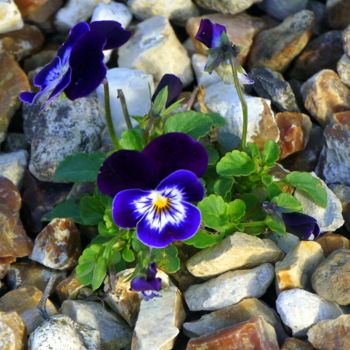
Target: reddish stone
<point>38,11</point>
<point>254,334</point>
<point>296,344</point>
<point>332,242</point>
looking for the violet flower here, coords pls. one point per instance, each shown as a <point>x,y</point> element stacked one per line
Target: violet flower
<point>174,85</point>
<point>153,189</point>
<point>78,69</point>
<point>149,285</point>
<point>299,224</point>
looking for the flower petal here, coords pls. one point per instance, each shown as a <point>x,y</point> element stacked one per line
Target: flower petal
<point>61,85</point>
<point>205,32</point>
<point>151,270</point>
<point>86,61</point>
<point>28,96</point>
<point>301,225</point>
<point>174,85</point>
<point>48,74</point>
<point>126,170</point>
<point>140,284</point>
<point>187,183</point>
<point>175,151</point>
<point>217,30</point>
<point>113,31</point>
<point>180,230</point>
<point>124,208</point>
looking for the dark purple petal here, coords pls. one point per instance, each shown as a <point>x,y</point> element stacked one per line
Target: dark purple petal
<point>209,33</point>
<point>301,225</point>
<point>151,271</point>
<point>174,85</point>
<point>48,74</point>
<point>27,96</point>
<point>186,182</point>
<point>184,229</point>
<point>127,170</point>
<point>140,284</point>
<point>113,31</point>
<point>175,151</point>
<point>217,30</point>
<point>124,210</point>
<point>88,69</point>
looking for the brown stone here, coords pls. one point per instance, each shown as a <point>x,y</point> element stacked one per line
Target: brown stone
<point>13,332</point>
<point>331,334</point>
<point>40,59</point>
<point>331,279</point>
<point>332,242</point>
<point>294,132</point>
<point>346,41</point>
<point>255,334</point>
<point>277,47</point>
<point>14,241</point>
<point>12,82</point>
<point>24,301</point>
<point>338,13</point>
<point>343,69</point>
<point>296,344</point>
<point>320,53</point>
<point>38,11</point>
<point>22,43</point>
<point>5,264</point>
<point>325,94</point>
<point>58,245</point>
<point>241,30</point>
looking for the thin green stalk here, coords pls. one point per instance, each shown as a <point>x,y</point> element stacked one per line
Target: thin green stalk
<point>108,115</point>
<point>124,108</point>
<point>243,104</point>
<point>253,223</point>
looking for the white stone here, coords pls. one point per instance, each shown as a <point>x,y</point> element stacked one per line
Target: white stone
<point>299,310</point>
<point>285,242</point>
<point>10,17</point>
<point>229,288</point>
<point>159,321</point>
<point>75,11</point>
<point>177,10</point>
<point>343,69</point>
<point>223,99</point>
<point>12,166</point>
<point>203,78</point>
<point>155,49</point>
<point>136,86</point>
<point>329,218</point>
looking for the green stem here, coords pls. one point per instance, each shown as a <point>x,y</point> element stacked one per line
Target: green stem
<point>253,224</point>
<point>108,115</point>
<point>243,104</point>
<point>124,108</point>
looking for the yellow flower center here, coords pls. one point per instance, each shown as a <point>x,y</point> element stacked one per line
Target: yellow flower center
<point>160,203</point>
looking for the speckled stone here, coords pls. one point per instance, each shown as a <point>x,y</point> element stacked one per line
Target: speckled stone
<point>13,331</point>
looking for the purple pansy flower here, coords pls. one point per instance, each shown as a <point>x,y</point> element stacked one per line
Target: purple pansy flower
<point>209,33</point>
<point>78,69</point>
<point>174,85</point>
<point>299,224</point>
<point>149,285</point>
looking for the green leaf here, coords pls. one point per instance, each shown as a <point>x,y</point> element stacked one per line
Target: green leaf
<point>160,101</point>
<point>308,185</point>
<point>167,258</point>
<point>214,211</point>
<point>132,140</point>
<point>213,155</point>
<point>86,265</point>
<point>235,163</point>
<point>236,210</point>
<point>223,186</point>
<point>128,255</point>
<point>99,273</point>
<point>217,119</point>
<point>253,206</point>
<point>271,153</point>
<point>267,180</point>
<point>203,240</point>
<point>273,190</point>
<point>91,210</point>
<point>288,201</point>
<point>195,124</point>
<point>274,225</point>
<point>68,209</point>
<point>80,167</point>
<point>253,150</point>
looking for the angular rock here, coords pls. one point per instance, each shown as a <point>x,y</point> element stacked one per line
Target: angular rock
<point>223,99</point>
<point>24,301</point>
<point>338,13</point>
<point>241,30</point>
<point>295,270</point>
<point>296,344</point>
<point>295,131</point>
<point>156,38</point>
<point>10,17</point>
<point>343,69</point>
<point>113,11</point>
<point>229,288</point>
<point>58,245</point>
<point>277,47</point>
<point>167,311</point>
<point>12,166</point>
<point>12,82</point>
<point>235,252</point>
<point>299,310</point>
<point>271,85</point>
<point>22,43</point>
<point>14,142</point>
<point>331,334</point>
<point>71,288</point>
<point>136,86</point>
<point>325,94</point>
<point>114,332</point>
<point>281,9</point>
<point>60,332</point>
<point>320,53</point>
<point>13,333</point>
<point>285,242</point>
<point>226,6</point>
<point>60,130</point>
<point>255,333</point>
<point>319,9</point>
<point>329,218</point>
<point>203,78</point>
<point>332,242</point>
<point>331,278</point>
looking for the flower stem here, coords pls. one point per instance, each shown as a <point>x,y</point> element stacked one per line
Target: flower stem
<point>126,114</point>
<point>253,223</point>
<point>243,104</point>
<point>108,115</point>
